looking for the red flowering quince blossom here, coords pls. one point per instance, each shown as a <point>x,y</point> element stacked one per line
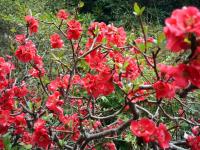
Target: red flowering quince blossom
<point>56,41</point>
<point>40,135</point>
<point>132,70</point>
<point>100,84</point>
<point>26,52</point>
<point>53,103</point>
<point>182,75</point>
<point>5,68</point>
<point>20,91</point>
<point>179,25</point>
<point>196,130</point>
<point>20,123</point>
<point>96,60</point>
<point>148,130</point>
<point>164,90</point>
<point>74,30</point>
<point>20,38</point>
<point>194,142</point>
<point>109,146</point>
<point>32,24</point>
<point>38,69</point>
<point>136,96</point>
<point>5,121</point>
<point>62,14</point>
<point>162,135</point>
<point>143,127</point>
<point>1,144</point>
<point>113,35</point>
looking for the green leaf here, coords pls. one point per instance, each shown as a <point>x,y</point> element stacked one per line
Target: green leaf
<point>6,141</point>
<point>142,10</point>
<point>47,117</point>
<point>104,41</point>
<point>54,57</point>
<point>81,4</point>
<point>125,64</point>
<point>105,99</point>
<point>30,105</point>
<point>13,30</point>
<point>25,146</point>
<point>160,37</point>
<point>136,9</point>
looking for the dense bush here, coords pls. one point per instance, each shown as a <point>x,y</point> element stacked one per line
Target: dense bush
<point>70,85</point>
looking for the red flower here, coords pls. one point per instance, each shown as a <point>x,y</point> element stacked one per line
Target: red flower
<point>194,142</point>
<point>53,103</point>
<point>115,36</point>
<point>55,84</point>
<point>100,84</point>
<point>1,144</point>
<point>164,90</point>
<point>196,130</point>
<point>194,72</point>
<point>20,38</point>
<point>56,41</point>
<point>96,26</point>
<point>5,69</point>
<point>132,71</point>
<point>109,146</point>
<point>40,136</point>
<point>62,14</point>
<point>143,127</point>
<point>181,76</point>
<point>163,136</point>
<point>7,100</point>
<point>71,123</point>
<point>151,40</point>
<point>181,22</point>
<point>20,123</point>
<point>26,52</point>
<point>20,91</point>
<point>5,121</point>
<point>26,138</point>
<point>97,124</point>
<point>32,24</point>
<point>38,70</point>
<point>37,73</point>
<point>95,60</point>
<point>74,30</point>
<point>147,129</point>
<point>136,96</point>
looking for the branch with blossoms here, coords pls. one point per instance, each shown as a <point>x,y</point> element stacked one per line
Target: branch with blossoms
<point>110,89</point>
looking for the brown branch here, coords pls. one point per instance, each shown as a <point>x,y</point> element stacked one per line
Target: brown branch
<point>105,117</point>
<point>108,132</point>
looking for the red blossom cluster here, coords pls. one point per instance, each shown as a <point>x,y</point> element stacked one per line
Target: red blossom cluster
<point>62,14</point>
<point>32,24</point>
<point>182,33</point>
<point>56,41</point>
<point>40,136</point>
<point>179,27</point>
<point>74,30</point>
<point>148,130</point>
<point>194,140</point>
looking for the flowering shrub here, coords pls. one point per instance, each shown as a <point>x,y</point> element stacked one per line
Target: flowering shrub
<point>71,107</point>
